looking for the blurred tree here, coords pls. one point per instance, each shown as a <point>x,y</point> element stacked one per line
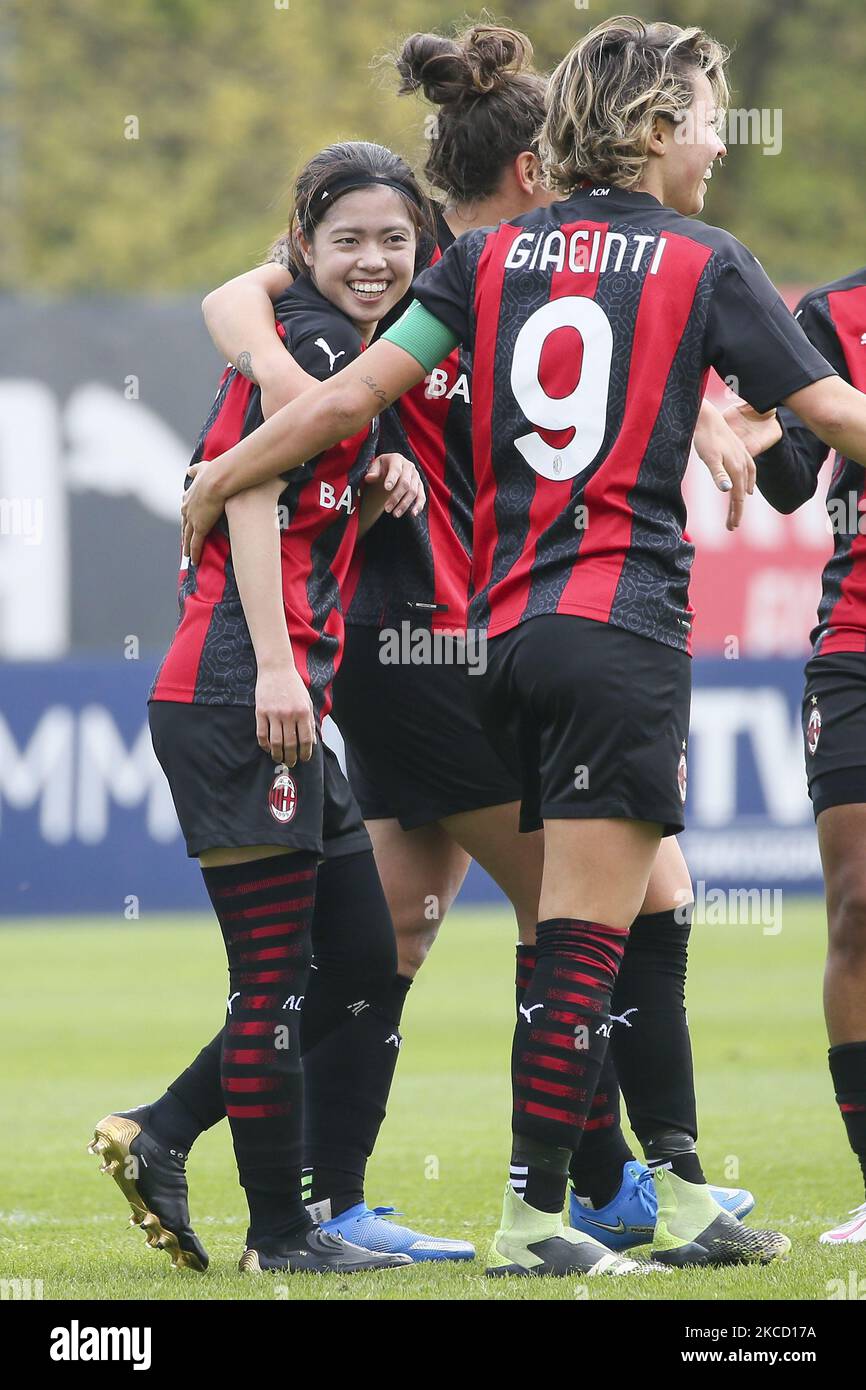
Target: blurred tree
<point>150,145</point>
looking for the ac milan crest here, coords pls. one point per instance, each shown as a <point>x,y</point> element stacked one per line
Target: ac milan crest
<point>683,775</point>
<point>283,796</point>
<point>813,728</point>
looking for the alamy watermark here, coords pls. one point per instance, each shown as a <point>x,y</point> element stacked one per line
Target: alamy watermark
<point>22,516</point>
<point>738,126</point>
<point>77,1343</point>
<point>846,515</point>
<point>733,907</point>
<point>852,1288</point>
<point>419,646</point>
<point>21,1289</point>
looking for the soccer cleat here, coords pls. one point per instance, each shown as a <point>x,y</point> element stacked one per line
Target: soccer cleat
<point>629,1218</point>
<point>737,1201</point>
<point>531,1242</point>
<point>152,1178</point>
<point>318,1252</point>
<point>692,1229</point>
<point>370,1229</point>
<point>850,1232</point>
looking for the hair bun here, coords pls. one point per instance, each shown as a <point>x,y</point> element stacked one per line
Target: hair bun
<point>494,54</point>
<point>433,64</point>
<point>450,72</point>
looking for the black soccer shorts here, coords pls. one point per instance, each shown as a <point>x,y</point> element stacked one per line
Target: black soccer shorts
<point>595,718</point>
<point>228,792</point>
<point>834,729</point>
<point>415,749</point>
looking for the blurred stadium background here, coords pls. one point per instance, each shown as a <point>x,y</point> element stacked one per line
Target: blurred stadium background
<point>146,151</point>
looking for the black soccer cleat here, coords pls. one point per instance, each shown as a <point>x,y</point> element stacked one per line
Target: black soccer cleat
<point>152,1178</point>
<point>692,1229</point>
<point>318,1252</point>
<point>727,1241</point>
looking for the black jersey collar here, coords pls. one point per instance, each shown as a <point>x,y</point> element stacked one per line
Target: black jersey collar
<point>303,290</point>
<point>609,194</point>
<point>304,287</point>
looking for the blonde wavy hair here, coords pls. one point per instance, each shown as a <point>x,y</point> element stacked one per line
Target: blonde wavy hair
<point>606,93</point>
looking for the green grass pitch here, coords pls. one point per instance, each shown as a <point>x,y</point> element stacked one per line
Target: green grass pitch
<point>102,1015</point>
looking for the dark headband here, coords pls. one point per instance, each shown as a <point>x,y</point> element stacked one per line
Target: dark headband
<point>321,201</point>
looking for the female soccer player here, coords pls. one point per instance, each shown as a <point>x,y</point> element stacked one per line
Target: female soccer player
<point>434,791</point>
<point>244,685</point>
<point>580,568</point>
<point>583,588</point>
<point>834,708</point>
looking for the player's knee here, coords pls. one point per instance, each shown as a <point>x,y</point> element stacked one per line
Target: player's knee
<point>847,926</point>
<point>364,962</point>
<point>414,942</point>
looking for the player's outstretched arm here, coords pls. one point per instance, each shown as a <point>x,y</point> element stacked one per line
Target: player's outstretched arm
<point>836,413</point>
<point>324,415</point>
<point>285,722</point>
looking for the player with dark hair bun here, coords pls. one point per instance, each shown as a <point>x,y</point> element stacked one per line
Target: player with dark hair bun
<point>579,562</point>
<point>434,791</point>
<point>490,99</point>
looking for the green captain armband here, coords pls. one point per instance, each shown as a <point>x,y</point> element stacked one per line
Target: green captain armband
<point>427,338</point>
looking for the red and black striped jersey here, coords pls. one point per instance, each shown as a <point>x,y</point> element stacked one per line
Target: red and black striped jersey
<point>417,568</point>
<point>592,326</point>
<point>834,319</point>
<point>211,658</point>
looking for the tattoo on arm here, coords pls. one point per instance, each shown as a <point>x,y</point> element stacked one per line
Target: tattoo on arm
<point>280,254</point>
<point>244,365</point>
<point>376,389</point>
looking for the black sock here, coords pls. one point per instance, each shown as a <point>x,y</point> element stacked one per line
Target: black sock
<point>559,1045</point>
<point>596,1167</point>
<point>675,1150</point>
<point>350,1032</point>
<point>848,1070</point>
<point>538,1173</point>
<point>650,1039</point>
<point>348,1078</point>
<point>192,1103</point>
<point>265,911</point>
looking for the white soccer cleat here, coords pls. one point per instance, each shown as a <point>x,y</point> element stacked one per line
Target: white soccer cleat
<point>850,1232</point>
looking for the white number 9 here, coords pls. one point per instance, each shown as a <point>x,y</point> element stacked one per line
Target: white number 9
<point>585,410</point>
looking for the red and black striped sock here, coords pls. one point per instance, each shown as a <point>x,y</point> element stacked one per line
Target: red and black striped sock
<point>265,911</point>
<point>560,1042</point>
<point>848,1070</point>
<point>596,1168</point>
<point>526,956</point>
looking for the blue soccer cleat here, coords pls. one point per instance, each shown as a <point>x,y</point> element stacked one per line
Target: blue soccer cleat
<point>629,1219</point>
<point>372,1230</point>
<point>736,1200</point>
